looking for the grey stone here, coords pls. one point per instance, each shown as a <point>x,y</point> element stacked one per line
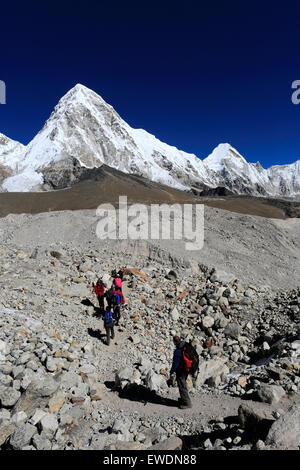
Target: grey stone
<point>49,425</point>
<point>233,330</point>
<point>222,276</point>
<point>22,436</point>
<point>36,395</point>
<point>41,442</point>
<point>154,381</point>
<point>6,430</point>
<point>9,397</point>
<point>211,369</point>
<point>270,393</point>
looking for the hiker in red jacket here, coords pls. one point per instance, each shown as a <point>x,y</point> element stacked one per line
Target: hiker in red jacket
<point>99,289</point>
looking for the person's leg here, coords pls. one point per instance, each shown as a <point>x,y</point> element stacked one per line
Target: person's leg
<point>112,332</point>
<point>101,301</point>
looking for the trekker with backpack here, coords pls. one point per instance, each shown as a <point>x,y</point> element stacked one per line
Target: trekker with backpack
<point>109,325</point>
<point>109,294</point>
<point>116,301</point>
<point>99,289</point>
<point>185,362</point>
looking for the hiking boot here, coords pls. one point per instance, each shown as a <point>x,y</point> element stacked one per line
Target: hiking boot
<point>184,407</point>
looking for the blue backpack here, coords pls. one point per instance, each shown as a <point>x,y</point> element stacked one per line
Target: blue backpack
<point>108,318</point>
<point>116,299</point>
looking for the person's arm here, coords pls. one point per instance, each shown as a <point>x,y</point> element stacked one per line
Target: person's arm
<point>176,361</point>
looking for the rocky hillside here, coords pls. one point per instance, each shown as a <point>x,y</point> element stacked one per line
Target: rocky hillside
<point>62,387</point>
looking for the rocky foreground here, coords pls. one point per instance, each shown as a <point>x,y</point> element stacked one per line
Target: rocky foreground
<point>61,387</point>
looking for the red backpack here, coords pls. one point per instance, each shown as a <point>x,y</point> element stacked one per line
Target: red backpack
<point>190,359</point>
<point>118,283</point>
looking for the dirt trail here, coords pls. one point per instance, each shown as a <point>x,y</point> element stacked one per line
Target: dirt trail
<point>207,406</point>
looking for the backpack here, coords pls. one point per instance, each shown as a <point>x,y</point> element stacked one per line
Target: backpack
<point>108,318</point>
<point>190,359</point>
<point>116,299</point>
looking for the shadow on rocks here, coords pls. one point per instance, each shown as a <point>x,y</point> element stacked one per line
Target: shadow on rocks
<point>97,334</point>
<point>142,394</point>
<point>98,312</point>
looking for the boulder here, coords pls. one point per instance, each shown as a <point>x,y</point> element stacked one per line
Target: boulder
<point>22,436</point>
<point>222,276</point>
<point>233,330</point>
<point>37,395</point>
<point>254,420</point>
<point>154,381</point>
<point>285,431</point>
<point>8,397</point>
<point>270,393</point>
<point>211,369</point>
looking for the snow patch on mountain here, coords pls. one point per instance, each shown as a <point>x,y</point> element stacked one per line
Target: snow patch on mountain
<point>84,127</point>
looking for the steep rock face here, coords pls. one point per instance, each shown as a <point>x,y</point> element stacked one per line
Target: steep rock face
<point>84,131</point>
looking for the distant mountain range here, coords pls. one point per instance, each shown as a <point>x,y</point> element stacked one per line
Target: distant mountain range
<point>84,132</point>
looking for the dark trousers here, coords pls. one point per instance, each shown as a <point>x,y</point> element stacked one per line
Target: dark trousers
<point>109,328</point>
<point>181,378</point>
<point>101,301</point>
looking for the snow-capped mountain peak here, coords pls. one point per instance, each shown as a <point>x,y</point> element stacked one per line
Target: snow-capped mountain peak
<point>222,153</point>
<point>84,132</point>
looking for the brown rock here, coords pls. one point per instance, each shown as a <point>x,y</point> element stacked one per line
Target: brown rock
<point>6,430</point>
<point>182,295</point>
<point>242,381</point>
<point>56,402</point>
<point>77,399</point>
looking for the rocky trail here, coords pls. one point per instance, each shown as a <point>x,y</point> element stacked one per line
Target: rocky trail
<point>62,387</point>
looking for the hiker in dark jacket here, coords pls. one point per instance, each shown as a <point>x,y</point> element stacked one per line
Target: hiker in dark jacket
<point>99,289</point>
<point>109,325</point>
<point>181,375</point>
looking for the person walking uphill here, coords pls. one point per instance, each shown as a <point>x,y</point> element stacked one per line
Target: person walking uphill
<point>180,369</point>
<point>99,291</point>
<point>109,325</point>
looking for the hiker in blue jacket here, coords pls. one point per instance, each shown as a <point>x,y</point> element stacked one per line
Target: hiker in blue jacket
<point>181,375</point>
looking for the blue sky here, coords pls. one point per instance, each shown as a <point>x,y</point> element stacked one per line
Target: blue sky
<point>194,75</point>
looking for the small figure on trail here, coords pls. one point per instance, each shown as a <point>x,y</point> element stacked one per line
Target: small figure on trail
<point>109,325</point>
<point>109,294</point>
<point>185,362</point>
<point>99,289</point>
